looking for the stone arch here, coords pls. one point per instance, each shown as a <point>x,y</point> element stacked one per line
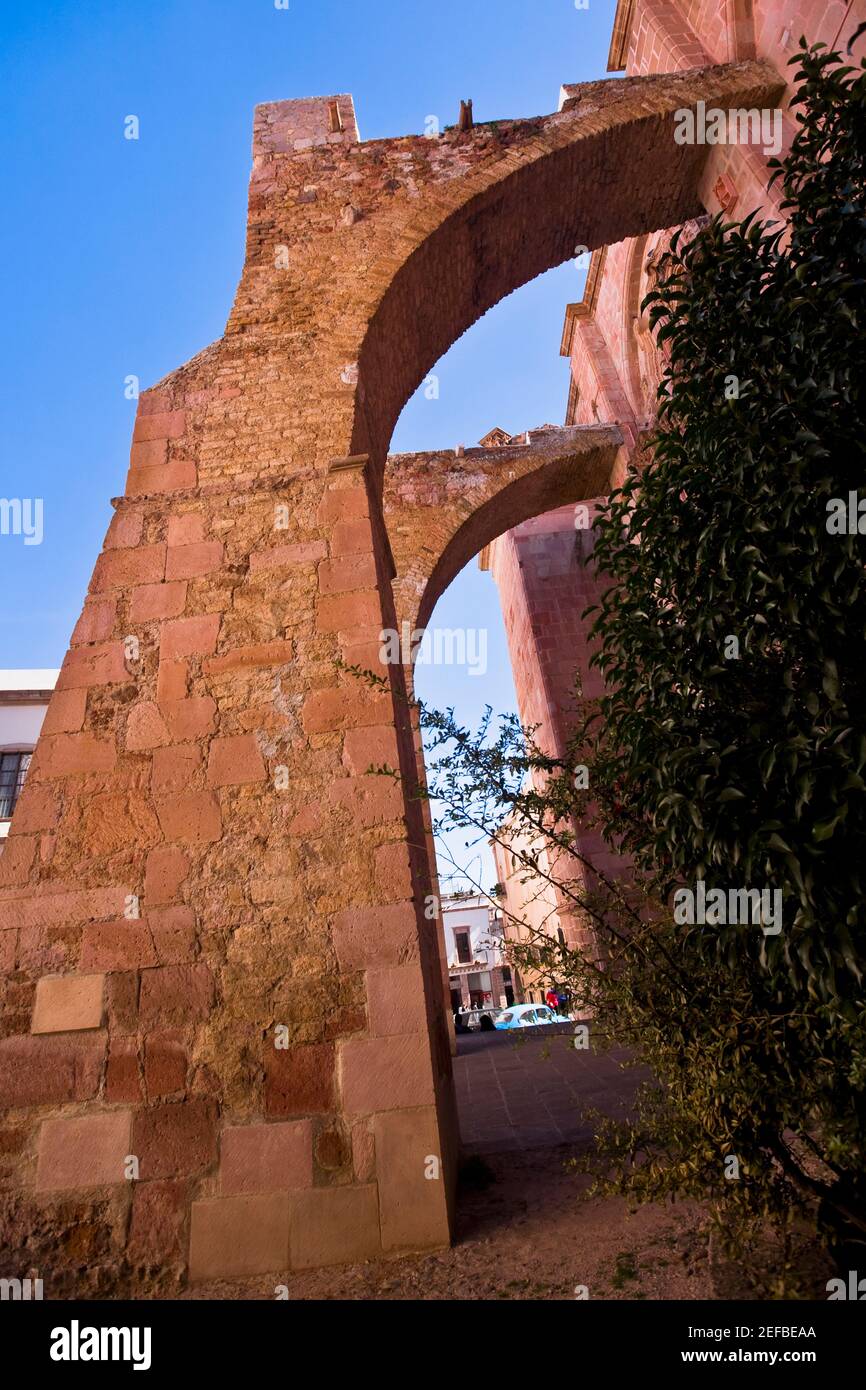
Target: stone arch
<point>523,212</point>
<point>441,510</point>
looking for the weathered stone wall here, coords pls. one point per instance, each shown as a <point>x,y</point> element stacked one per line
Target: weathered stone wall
<point>200,865</point>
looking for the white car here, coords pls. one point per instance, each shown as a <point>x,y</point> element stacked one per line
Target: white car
<point>527,1016</point>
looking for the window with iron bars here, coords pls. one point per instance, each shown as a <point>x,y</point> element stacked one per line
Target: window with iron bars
<point>13,770</point>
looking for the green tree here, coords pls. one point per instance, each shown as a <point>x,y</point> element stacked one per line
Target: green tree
<point>732,637</point>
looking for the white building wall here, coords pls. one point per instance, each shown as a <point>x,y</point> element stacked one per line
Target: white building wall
<point>21,719</point>
<point>20,725</point>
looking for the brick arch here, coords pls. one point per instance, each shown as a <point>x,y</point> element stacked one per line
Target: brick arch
<point>523,211</point>
<point>440,510</point>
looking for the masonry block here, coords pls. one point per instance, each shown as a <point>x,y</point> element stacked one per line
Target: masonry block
<point>166,1063</point>
<point>334,1225</point>
<point>176,994</point>
<point>125,530</point>
<point>195,636</point>
<point>171,681</point>
<point>174,768</point>
<point>154,602</point>
<point>122,945</point>
<point>390,1073</point>
<point>287,556</point>
<point>16,859</point>
<point>193,561</point>
<point>68,1003</point>
<point>122,1075</point>
<point>235,760</point>
<point>51,1070</point>
<point>266,1158</point>
<point>411,1180</point>
<point>385,935</point>
<point>235,1236</point>
<point>145,728</point>
<point>175,1140</point>
<point>395,999</point>
<point>189,719</point>
<point>157,1227</point>
<point>101,664</point>
<point>300,1080</point>
<point>65,713</point>
<point>370,747</point>
<point>83,1151</point>
<point>193,817</point>
<point>167,868</point>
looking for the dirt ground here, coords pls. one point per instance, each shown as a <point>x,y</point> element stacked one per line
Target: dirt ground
<point>524,1229</point>
<point>523,1232</point>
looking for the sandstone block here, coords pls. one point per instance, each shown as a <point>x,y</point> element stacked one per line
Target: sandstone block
<point>300,1080</point>
<point>175,994</point>
<point>193,817</point>
<point>83,1151</point>
<point>68,1003</point>
<point>190,636</point>
<point>154,602</point>
<point>192,561</point>
<point>167,867</point>
<point>175,1139</point>
<point>371,936</point>
<point>266,1158</point>
<point>395,1000</point>
<point>51,1069</point>
<point>385,1074</point>
<point>235,1236</point>
<point>235,760</point>
<point>334,1225</point>
<point>412,1203</point>
<point>156,1233</point>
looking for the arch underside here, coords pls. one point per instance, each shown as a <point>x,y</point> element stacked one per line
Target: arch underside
<point>441,510</point>
<point>605,169</point>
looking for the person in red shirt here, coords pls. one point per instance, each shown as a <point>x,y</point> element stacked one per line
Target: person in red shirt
<point>552,999</point>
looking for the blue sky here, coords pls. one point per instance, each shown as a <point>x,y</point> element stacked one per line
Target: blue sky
<point>122,256</point>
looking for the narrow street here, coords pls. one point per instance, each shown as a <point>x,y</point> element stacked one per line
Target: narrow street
<point>527,1089</point>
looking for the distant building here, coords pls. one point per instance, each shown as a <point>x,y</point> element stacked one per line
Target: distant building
<point>478,975</point>
<point>532,906</point>
<point>24,697</point>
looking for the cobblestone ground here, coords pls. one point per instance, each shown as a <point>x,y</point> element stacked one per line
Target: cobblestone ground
<point>529,1089</point>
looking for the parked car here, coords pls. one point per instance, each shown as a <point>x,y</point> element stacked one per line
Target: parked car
<point>475,1020</point>
<point>527,1016</point>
